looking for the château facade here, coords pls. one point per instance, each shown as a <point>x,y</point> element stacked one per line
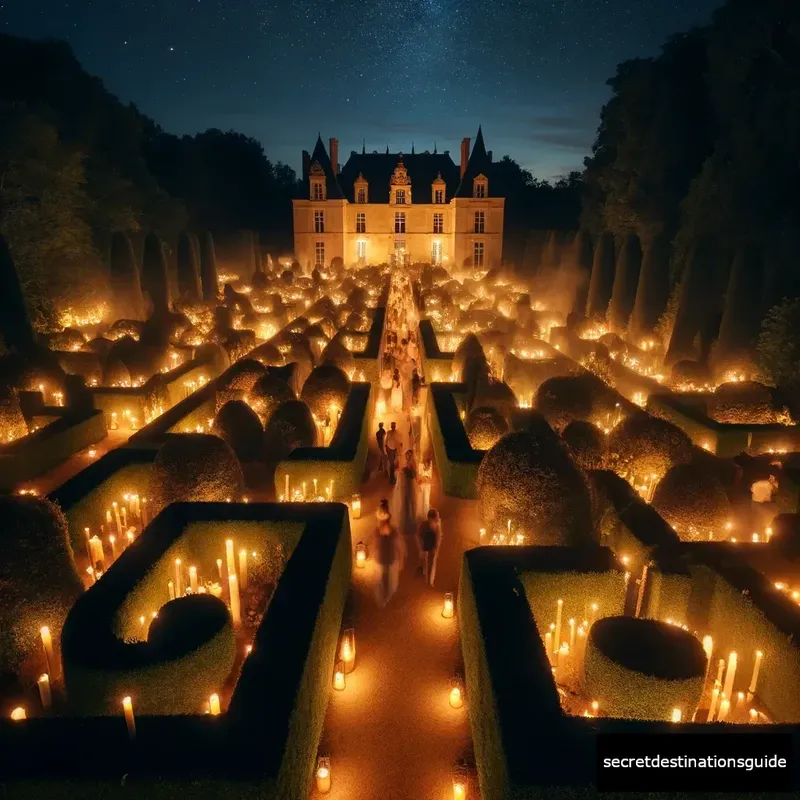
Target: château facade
<point>398,208</point>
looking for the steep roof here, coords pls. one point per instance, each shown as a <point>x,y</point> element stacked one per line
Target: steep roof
<point>480,163</point>
<point>377,169</point>
<point>320,156</point>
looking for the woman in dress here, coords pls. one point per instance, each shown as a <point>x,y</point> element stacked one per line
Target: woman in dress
<point>405,502</point>
<point>388,554</point>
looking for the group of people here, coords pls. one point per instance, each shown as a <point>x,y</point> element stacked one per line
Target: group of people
<point>401,378</point>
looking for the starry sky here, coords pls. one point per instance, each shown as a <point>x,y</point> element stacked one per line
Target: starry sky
<point>393,72</point>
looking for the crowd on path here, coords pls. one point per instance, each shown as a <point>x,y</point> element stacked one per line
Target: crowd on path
<point>408,531</point>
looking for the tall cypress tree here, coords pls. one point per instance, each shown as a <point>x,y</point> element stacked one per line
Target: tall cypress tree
<point>579,259</point>
<point>15,321</point>
<point>626,277</point>
<point>652,291</point>
<point>126,286</point>
<point>154,273</point>
<point>602,280</point>
<point>188,273</point>
<point>208,267</point>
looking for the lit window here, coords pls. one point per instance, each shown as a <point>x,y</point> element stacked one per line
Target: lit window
<point>361,222</point>
<point>319,254</point>
<point>436,252</point>
<point>319,222</point>
<point>438,196</point>
<point>480,189</point>
<point>477,254</point>
<point>480,221</point>
<point>438,223</point>
<point>400,197</point>
<point>361,249</point>
<point>361,196</point>
<point>399,222</point>
<point>317,192</point>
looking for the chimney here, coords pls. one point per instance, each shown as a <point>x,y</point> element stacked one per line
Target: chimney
<point>334,154</point>
<point>464,155</point>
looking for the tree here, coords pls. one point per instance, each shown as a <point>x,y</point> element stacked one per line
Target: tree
<point>779,346</point>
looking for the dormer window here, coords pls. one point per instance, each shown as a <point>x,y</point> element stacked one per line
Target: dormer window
<point>317,179</point>
<point>400,197</point>
<point>400,185</point>
<point>480,187</point>
<point>438,188</point>
<point>361,188</point>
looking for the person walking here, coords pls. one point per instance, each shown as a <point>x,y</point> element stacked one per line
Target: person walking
<point>388,555</point>
<point>380,437</point>
<point>404,501</point>
<point>429,539</point>
<point>392,445</point>
<point>397,392</point>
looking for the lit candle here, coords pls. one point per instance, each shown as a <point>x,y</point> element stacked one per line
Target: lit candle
<point>720,671</point>
<point>676,715</point>
<point>96,547</point>
<point>193,579</point>
<point>730,675</point>
<point>178,578</point>
<point>171,589</point>
<point>44,691</point>
<point>561,663</point>
<point>112,540</point>
<point>323,775</point>
<point>124,514</point>
<point>724,708</point>
<point>557,634</point>
<point>572,635</point>
<point>286,482</point>
<point>548,646</point>
<point>316,493</point>
<point>751,689</point>
<point>49,653</point>
<point>213,705</point>
<point>243,568</point>
<point>339,681</point>
<point>456,698</point>
<point>108,519</point>
<point>738,706</point>
<point>448,609</point>
<point>130,722</point>
<point>348,650</point>
<point>752,716</point>
<point>88,537</point>
<point>714,700</point>
<point>356,506</point>
<point>509,528</point>
<point>18,714</point>
<point>219,567</point>
<point>233,587</point>
<point>230,562</point>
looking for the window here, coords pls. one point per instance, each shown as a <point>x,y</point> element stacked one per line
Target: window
<point>480,221</point>
<point>477,254</point>
<point>319,222</point>
<point>361,222</point>
<point>479,188</point>
<point>438,196</point>
<point>399,222</point>
<point>317,192</point>
<point>436,253</point>
<point>361,249</point>
<point>319,254</point>
<point>438,223</point>
<point>400,197</point>
<point>361,196</point>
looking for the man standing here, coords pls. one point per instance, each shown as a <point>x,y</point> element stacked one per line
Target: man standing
<point>380,435</point>
<point>392,444</point>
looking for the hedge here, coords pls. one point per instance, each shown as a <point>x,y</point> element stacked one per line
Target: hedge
<point>265,746</point>
<point>436,365</point>
<point>343,461</point>
<point>368,361</point>
<point>40,451</point>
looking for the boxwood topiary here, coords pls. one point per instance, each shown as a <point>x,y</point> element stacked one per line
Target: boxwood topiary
<point>12,421</point>
<point>194,467</point>
<point>38,576</point>
<point>326,386</point>
<point>485,426</point>
<point>585,443</point>
<point>563,399</point>
<point>742,403</point>
<point>642,445</point>
<point>268,392</point>
<point>338,355</point>
<point>643,668</point>
<point>692,500</point>
<point>291,425</point>
<point>528,478</point>
<point>238,425</point>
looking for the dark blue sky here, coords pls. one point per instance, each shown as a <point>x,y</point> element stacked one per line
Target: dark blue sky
<point>533,72</point>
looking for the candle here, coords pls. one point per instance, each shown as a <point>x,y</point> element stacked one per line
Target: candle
<point>178,578</point>
<point>316,493</point>
<point>213,705</point>
<point>348,650</point>
<point>355,506</point>
<point>339,681</point>
<point>580,650</point>
<point>90,573</point>
<point>323,775</point>
<point>130,722</point>
<point>751,689</point>
<point>753,716</point>
<point>456,698</point>
<point>304,491</point>
<point>557,634</point>
<point>44,691</point>
<point>124,513</point>
<point>18,714</point>
<point>724,708</point>
<point>219,567</point>
<point>171,589</point>
<point>676,715</point>
<point>713,707</point>
<point>738,706</point>
<point>193,579</point>
<point>96,547</point>
<point>112,540</point>
<point>548,646</point>
<point>561,663</point>
<point>49,653</point>
<point>243,568</point>
<point>230,564</point>
<point>108,519</point>
<point>720,671</point>
<point>286,483</point>
<point>448,609</point>
<point>233,587</point>
<point>509,529</point>
<point>88,537</point>
<point>572,635</point>
<point>730,675</point>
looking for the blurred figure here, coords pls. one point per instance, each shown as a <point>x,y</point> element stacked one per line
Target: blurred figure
<point>388,555</point>
<point>392,445</point>
<point>429,540</point>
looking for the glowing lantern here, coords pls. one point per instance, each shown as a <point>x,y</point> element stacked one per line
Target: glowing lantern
<point>448,609</point>
<point>323,775</point>
<point>339,681</point>
<point>213,705</point>
<point>460,782</point>
<point>676,715</point>
<point>355,505</point>
<point>348,650</point>
<point>18,714</point>
<point>456,693</point>
<point>361,555</point>
<point>130,722</point>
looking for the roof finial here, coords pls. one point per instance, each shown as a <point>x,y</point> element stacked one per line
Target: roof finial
<point>412,147</point>
<point>363,147</point>
<point>387,149</point>
<point>434,148</point>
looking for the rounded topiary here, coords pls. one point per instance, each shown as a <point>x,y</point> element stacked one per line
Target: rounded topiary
<point>69,339</point>
<point>485,426</point>
<point>467,353</point>
<point>639,668</point>
<point>38,578</point>
<point>743,403</point>
<point>326,386</point>
<point>528,477</point>
<point>241,376</point>
<point>692,499</point>
<point>194,467</point>
<point>687,373</point>
<point>125,327</point>
<point>585,443</point>
<point>290,426</point>
<point>643,446</point>
<point>337,354</point>
<point>268,355</point>
<point>267,393</point>
<point>565,398</point>
<point>12,421</point>
<point>241,428</point>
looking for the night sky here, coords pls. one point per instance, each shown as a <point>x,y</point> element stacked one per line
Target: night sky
<point>391,72</point>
